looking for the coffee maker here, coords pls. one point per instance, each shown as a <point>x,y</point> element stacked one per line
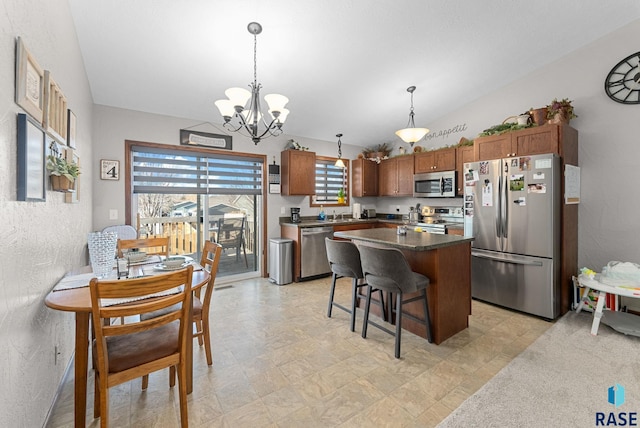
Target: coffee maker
<point>295,215</point>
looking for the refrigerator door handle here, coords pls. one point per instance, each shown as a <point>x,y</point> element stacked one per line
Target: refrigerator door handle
<point>505,260</point>
<point>499,209</point>
<point>504,215</point>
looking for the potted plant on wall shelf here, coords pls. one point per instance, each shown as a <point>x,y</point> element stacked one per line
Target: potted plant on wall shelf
<point>63,174</point>
<point>560,111</point>
<point>341,196</point>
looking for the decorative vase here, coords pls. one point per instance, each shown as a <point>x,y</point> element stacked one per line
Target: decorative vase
<point>559,118</point>
<point>539,115</point>
<point>60,183</point>
<point>102,252</point>
<point>341,199</point>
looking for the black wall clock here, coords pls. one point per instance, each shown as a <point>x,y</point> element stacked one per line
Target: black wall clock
<point>623,81</point>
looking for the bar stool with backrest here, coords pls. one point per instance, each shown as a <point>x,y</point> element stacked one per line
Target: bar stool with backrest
<point>387,269</point>
<point>344,259</point>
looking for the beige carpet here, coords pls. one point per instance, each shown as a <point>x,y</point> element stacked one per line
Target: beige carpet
<point>561,380</point>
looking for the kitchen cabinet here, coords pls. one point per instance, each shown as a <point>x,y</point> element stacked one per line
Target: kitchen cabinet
<point>364,178</point>
<point>436,160</point>
<point>395,176</point>
<point>526,142</point>
<point>464,154</point>
<point>297,169</point>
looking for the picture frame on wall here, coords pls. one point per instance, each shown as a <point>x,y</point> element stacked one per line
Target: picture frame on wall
<point>73,197</point>
<point>205,139</point>
<point>29,82</point>
<point>71,129</point>
<point>109,169</point>
<point>55,109</point>
<point>31,178</point>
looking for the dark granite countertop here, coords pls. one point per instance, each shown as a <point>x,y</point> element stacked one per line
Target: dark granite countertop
<point>415,241</point>
<point>318,223</point>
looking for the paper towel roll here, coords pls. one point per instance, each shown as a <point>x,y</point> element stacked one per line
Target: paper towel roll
<point>357,210</point>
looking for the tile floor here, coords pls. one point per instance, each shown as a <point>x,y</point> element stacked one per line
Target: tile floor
<point>278,361</point>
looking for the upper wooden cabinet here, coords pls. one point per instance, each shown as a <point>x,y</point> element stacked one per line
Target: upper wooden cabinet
<point>298,172</point>
<point>464,155</point>
<point>526,142</point>
<point>436,160</point>
<point>395,176</point>
<point>364,178</point>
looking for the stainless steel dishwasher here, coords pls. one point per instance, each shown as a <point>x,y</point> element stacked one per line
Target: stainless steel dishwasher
<point>313,253</point>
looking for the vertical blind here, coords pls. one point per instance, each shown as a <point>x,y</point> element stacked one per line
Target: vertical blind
<point>329,179</point>
<point>174,171</point>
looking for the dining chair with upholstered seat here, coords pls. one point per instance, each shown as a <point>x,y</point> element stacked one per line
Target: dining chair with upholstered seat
<point>152,246</point>
<point>344,260</point>
<point>124,352</point>
<point>201,305</point>
<point>387,269</point>
<point>231,235</point>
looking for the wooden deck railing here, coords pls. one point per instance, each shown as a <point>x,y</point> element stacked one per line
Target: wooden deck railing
<point>183,235</point>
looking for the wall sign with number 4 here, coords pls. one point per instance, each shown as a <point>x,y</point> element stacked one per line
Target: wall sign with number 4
<point>109,169</point>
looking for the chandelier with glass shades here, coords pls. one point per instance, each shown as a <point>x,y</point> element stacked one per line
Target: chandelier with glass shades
<point>248,118</point>
<point>411,134</point>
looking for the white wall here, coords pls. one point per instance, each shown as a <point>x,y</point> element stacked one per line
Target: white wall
<point>609,147</point>
<point>40,240</point>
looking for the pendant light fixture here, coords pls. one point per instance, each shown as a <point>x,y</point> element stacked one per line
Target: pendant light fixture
<point>411,134</point>
<point>251,120</point>
<point>339,162</point>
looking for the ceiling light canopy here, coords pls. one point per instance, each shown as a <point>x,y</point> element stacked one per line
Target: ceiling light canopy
<point>243,107</point>
<point>411,134</point>
<point>339,162</point>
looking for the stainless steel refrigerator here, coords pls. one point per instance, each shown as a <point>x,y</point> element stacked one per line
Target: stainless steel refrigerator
<point>512,208</point>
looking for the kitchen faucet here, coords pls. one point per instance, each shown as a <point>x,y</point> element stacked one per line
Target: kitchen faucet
<point>341,216</point>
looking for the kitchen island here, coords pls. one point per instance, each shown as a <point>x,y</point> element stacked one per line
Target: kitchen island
<point>445,260</point>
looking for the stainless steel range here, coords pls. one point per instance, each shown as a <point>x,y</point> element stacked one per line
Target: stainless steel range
<point>438,219</point>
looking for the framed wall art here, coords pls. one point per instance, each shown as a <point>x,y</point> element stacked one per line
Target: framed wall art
<point>29,82</point>
<point>55,109</point>
<point>73,197</point>
<point>109,169</point>
<point>31,178</point>
<point>205,139</point>
<point>71,130</point>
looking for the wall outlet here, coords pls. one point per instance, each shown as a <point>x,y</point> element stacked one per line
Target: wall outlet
<point>113,214</point>
<point>283,210</point>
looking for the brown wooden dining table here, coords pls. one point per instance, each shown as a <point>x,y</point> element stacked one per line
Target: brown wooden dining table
<point>78,300</point>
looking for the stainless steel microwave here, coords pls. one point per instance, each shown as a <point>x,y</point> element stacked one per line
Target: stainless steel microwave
<point>434,185</point>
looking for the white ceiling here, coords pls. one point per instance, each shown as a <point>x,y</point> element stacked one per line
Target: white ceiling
<point>344,64</point>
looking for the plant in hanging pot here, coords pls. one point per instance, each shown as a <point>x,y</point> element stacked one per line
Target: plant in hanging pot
<point>560,111</point>
<point>341,196</point>
<point>63,174</point>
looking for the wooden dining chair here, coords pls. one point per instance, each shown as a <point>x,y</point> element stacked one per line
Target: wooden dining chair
<point>209,260</point>
<point>201,303</point>
<point>128,351</point>
<point>152,246</point>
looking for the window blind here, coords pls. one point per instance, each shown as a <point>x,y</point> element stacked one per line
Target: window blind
<point>329,179</point>
<point>174,171</point>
